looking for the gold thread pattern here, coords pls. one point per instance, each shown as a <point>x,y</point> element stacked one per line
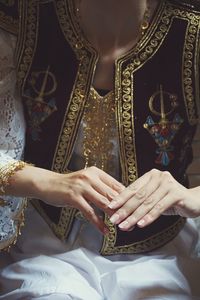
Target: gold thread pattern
<point>28,40</point>
<point>143,246</point>
<point>128,127</point>
<point>141,57</point>
<point>62,229</point>
<point>99,131</point>
<point>128,152</point>
<point>79,93</point>
<point>142,53</point>
<point>189,55</point>
<point>76,104</point>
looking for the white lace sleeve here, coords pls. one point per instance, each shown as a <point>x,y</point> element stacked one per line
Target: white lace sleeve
<point>12,138</point>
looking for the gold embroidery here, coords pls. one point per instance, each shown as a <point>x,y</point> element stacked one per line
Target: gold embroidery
<point>142,246</point>
<point>80,90</point>
<point>87,60</point>
<point>144,50</point>
<point>141,55</point>
<point>63,227</point>
<point>27,41</point>
<point>99,131</point>
<point>190,48</point>
<point>125,98</point>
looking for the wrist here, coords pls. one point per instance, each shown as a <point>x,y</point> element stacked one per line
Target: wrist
<point>7,171</point>
<point>30,182</point>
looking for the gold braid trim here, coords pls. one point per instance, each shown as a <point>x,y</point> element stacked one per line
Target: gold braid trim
<point>19,222</point>
<point>7,171</point>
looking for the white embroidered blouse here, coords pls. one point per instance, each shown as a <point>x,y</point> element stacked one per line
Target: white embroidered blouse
<point>12,139</point>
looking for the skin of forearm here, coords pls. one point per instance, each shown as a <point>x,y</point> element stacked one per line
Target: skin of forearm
<point>77,189</point>
<point>30,182</point>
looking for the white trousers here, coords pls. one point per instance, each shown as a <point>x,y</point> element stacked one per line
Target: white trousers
<point>43,267</point>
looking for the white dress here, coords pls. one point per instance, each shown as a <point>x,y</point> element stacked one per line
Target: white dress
<point>41,266</point>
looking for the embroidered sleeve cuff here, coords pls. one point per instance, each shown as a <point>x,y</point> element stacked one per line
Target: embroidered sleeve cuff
<point>6,171</point>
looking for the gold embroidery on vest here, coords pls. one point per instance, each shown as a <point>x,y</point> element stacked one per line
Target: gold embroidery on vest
<point>99,131</point>
<point>87,60</point>
<point>190,59</point>
<point>27,42</point>
<point>125,98</point>
<point>142,246</point>
<point>143,51</point>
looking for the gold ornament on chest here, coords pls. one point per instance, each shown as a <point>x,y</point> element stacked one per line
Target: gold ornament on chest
<point>99,130</point>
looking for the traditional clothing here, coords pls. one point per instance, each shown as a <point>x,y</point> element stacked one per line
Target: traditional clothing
<point>148,121</point>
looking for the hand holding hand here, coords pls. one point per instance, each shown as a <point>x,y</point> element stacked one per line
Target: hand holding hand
<point>84,190</point>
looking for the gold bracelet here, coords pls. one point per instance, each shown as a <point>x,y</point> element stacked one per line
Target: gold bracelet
<point>7,171</point>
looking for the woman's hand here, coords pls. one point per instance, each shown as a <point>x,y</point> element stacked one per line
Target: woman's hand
<point>84,190</point>
<point>150,196</point>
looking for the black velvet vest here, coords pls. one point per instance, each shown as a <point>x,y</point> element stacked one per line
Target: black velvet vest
<point>156,90</point>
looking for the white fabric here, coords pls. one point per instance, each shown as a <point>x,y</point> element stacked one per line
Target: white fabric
<point>12,133</point>
<point>46,268</point>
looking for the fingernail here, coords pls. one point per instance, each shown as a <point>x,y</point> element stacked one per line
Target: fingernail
<point>141,222</point>
<point>112,204</point>
<point>114,218</point>
<point>123,225</point>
